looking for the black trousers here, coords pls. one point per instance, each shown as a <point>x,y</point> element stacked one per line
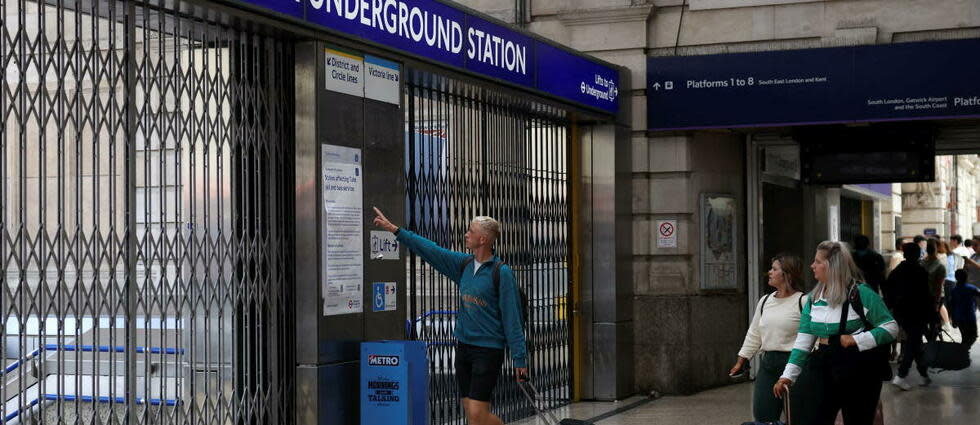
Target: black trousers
<point>912,350</point>
<point>969,332</point>
<point>855,395</point>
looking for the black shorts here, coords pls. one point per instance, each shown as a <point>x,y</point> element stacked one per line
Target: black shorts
<point>477,370</point>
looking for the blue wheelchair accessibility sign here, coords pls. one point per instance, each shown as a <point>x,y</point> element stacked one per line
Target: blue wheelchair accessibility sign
<point>385,298</point>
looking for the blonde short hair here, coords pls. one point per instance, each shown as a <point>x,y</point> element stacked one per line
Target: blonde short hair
<point>488,225</point>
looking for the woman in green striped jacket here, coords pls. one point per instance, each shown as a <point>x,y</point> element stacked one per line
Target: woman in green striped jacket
<point>847,320</point>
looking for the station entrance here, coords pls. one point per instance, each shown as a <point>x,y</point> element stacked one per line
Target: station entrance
<point>478,151</point>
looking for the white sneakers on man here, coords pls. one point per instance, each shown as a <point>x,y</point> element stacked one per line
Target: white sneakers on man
<point>901,383</point>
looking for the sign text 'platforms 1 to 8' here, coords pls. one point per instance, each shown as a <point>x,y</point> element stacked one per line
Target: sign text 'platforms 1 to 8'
<point>900,81</point>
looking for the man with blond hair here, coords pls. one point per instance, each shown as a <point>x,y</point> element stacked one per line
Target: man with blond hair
<point>489,317</point>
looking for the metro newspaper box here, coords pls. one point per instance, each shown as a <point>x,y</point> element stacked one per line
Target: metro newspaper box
<point>394,383</point>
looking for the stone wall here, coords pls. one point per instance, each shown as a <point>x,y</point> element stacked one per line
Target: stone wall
<point>686,338</point>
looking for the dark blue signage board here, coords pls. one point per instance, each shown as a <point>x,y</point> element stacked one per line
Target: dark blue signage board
<point>894,82</point>
<point>448,35</point>
<point>575,78</point>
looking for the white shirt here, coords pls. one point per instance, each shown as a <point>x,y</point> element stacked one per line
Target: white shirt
<point>476,266</point>
<point>775,328</point>
<point>960,252</point>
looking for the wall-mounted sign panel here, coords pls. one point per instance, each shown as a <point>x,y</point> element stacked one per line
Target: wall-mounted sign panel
<point>382,80</point>
<point>902,81</point>
<point>344,72</point>
<point>576,78</point>
<point>442,33</point>
<point>877,153</point>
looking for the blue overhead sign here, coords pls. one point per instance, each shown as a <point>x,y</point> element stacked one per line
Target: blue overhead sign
<point>905,81</point>
<point>445,34</point>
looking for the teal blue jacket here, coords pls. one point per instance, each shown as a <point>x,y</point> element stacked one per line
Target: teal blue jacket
<point>485,318</point>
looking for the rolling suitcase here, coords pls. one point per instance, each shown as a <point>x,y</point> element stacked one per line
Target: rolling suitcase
<point>546,416</point>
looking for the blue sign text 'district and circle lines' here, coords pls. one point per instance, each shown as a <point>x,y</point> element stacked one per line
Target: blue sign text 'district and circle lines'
<point>454,37</point>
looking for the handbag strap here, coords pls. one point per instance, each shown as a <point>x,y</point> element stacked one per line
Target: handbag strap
<point>843,316</point>
<point>762,308</point>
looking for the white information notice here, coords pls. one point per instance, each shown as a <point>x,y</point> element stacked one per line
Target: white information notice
<point>345,72</point>
<point>382,80</point>
<point>343,231</point>
<point>666,233</point>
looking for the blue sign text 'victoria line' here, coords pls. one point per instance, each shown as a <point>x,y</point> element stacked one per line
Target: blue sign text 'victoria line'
<point>451,36</point>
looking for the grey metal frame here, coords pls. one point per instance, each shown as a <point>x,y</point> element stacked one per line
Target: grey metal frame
<point>146,251</point>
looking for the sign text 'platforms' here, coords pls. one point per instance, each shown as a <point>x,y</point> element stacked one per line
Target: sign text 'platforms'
<point>901,81</point>
<point>451,36</point>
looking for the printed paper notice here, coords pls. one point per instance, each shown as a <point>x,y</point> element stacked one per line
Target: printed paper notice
<point>343,231</point>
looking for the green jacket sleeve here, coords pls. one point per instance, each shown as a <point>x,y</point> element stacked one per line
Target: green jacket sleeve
<point>445,261</point>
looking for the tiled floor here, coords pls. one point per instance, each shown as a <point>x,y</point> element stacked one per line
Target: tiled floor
<point>953,399</point>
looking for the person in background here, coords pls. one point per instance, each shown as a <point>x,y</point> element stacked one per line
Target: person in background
<point>772,333</point>
<point>871,263</point>
<point>846,362</point>
<point>964,311</point>
<point>972,270</point>
<point>968,244</point>
<point>896,257</point>
<point>941,249</point>
<point>953,263</point>
<point>907,294</point>
<point>958,248</point>
<point>937,275</point>
<point>921,242</point>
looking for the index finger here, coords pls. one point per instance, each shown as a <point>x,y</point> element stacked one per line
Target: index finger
<point>378,212</point>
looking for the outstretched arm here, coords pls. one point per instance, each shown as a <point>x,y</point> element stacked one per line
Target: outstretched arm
<point>449,263</point>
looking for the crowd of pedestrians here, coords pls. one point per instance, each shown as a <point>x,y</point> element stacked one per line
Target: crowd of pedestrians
<point>829,350</point>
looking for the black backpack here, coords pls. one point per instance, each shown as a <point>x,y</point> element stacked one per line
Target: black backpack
<point>496,286</point>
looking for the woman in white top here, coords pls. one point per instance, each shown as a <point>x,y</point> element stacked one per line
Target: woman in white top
<point>772,333</point>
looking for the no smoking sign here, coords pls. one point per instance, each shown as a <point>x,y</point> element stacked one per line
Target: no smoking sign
<point>666,233</point>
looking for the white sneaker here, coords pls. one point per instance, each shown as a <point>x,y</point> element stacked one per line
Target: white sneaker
<point>900,383</point>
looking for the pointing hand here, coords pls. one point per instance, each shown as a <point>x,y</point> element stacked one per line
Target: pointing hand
<point>381,221</point>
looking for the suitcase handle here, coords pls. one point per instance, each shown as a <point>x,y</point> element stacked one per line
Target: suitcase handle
<point>786,407</point>
<point>534,402</point>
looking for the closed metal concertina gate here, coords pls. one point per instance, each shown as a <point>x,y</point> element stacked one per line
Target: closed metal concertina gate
<point>472,151</point>
<point>143,157</point>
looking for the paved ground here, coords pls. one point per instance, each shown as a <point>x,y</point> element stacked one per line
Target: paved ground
<point>953,399</point>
